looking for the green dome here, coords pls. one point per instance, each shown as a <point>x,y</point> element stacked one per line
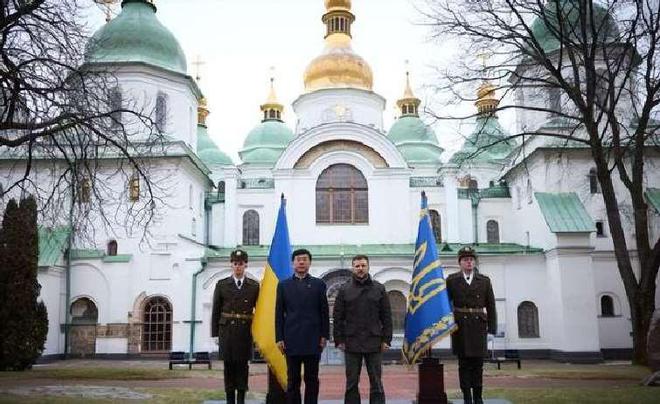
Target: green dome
<point>487,140</point>
<point>415,140</point>
<point>204,141</point>
<point>265,143</point>
<point>570,13</point>
<point>208,151</point>
<point>136,36</point>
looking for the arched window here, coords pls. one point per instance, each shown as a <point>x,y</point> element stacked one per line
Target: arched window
<point>342,195</point>
<point>112,248</point>
<point>399,308</point>
<point>251,227</point>
<point>157,325</point>
<point>84,311</point>
<point>473,184</point>
<point>221,187</point>
<point>492,232</point>
<point>85,190</point>
<point>530,192</point>
<point>606,306</point>
<point>161,111</point>
<point>134,189</point>
<point>593,181</point>
<point>115,104</point>
<point>436,225</point>
<point>528,320</point>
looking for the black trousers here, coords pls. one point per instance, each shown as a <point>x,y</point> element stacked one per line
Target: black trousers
<point>236,375</point>
<point>374,363</point>
<point>470,372</point>
<point>294,364</point>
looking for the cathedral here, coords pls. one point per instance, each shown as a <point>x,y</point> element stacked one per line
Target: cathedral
<point>536,220</point>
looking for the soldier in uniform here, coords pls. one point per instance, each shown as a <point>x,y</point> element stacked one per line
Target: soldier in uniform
<point>234,300</point>
<point>471,295</point>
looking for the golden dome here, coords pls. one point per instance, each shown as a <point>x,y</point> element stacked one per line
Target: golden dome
<point>487,101</point>
<point>338,67</point>
<point>330,4</point>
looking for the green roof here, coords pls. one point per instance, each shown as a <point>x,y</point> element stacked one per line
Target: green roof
<point>546,30</point>
<point>208,151</point>
<point>265,143</point>
<point>415,140</point>
<point>378,250</point>
<point>487,142</point>
<point>52,243</point>
<point>90,254</point>
<point>653,198</point>
<point>136,36</point>
<point>564,213</point>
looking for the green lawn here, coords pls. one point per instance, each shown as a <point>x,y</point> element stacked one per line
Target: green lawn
<point>89,373</point>
<point>634,394</point>
<point>574,372</point>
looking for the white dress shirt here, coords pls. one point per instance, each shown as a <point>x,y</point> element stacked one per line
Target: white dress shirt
<point>468,278</point>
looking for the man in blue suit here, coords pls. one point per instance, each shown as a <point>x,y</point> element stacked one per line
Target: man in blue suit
<point>302,326</point>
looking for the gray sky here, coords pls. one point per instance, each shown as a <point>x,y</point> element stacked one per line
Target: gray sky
<point>239,40</point>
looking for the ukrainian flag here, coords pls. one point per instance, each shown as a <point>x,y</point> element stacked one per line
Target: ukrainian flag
<point>278,268</point>
<point>429,317</point>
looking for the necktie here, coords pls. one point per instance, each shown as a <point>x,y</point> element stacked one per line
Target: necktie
<point>239,283</point>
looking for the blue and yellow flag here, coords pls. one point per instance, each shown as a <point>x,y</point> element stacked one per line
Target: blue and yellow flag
<point>278,268</point>
<point>429,317</point>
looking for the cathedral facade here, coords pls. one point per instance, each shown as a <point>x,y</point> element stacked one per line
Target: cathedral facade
<point>352,186</point>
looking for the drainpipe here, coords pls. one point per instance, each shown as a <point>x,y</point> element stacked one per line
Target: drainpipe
<point>67,315</point>
<point>474,199</point>
<point>193,306</point>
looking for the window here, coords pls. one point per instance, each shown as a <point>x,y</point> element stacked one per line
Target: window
<point>193,227</point>
<point>84,311</point>
<point>251,227</point>
<point>115,104</point>
<point>518,198</point>
<point>190,196</point>
<point>600,229</point>
<point>593,181</point>
<point>201,203</point>
<point>436,225</point>
<point>342,196</point>
<point>85,190</point>
<point>134,189</point>
<point>398,305</point>
<point>473,184</point>
<point>606,306</point>
<point>528,320</point>
<point>221,187</point>
<point>161,111</point>
<point>492,232</point>
<point>530,192</point>
<point>554,100</point>
<point>157,325</point>
<point>111,249</point>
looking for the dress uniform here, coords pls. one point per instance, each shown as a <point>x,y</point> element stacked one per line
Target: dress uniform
<point>231,320</point>
<point>474,311</point>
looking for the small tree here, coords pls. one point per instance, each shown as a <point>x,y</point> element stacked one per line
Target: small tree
<point>24,320</point>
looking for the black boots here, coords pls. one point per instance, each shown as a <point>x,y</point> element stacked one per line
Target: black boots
<point>231,396</point>
<point>240,399</point>
<point>467,396</point>
<point>477,395</point>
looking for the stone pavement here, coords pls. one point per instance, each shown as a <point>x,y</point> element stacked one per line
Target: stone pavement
<point>486,401</point>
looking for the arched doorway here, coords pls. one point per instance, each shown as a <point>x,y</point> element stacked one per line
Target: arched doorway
<point>333,281</point>
<point>82,334</point>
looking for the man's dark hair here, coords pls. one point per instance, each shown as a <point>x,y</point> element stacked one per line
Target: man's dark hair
<point>301,251</point>
<point>360,257</point>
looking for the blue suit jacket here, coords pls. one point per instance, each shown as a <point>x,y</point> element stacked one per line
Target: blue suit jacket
<point>302,315</point>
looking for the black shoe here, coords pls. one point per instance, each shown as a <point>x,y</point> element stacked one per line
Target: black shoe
<point>467,396</point>
<point>231,396</point>
<point>477,395</point>
<point>240,397</point>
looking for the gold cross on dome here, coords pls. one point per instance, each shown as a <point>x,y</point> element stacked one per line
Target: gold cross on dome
<point>198,63</point>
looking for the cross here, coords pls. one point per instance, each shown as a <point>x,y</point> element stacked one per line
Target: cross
<point>107,4</point>
<point>198,64</point>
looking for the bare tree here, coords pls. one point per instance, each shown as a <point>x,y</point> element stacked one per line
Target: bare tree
<point>68,135</point>
<point>591,69</point>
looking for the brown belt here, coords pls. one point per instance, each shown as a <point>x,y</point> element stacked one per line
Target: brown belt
<point>241,316</point>
<point>481,310</point>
